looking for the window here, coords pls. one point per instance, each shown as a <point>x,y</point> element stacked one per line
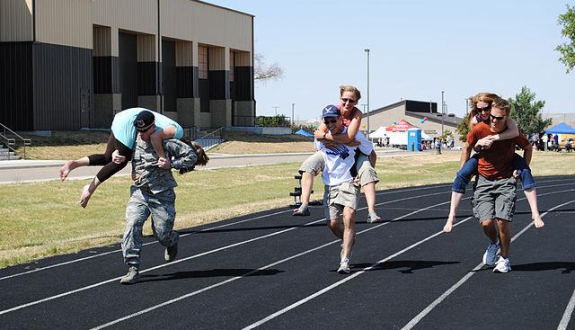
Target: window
<point>232,65</point>
<point>203,66</point>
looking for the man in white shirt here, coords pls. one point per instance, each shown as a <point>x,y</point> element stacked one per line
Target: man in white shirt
<point>341,193</point>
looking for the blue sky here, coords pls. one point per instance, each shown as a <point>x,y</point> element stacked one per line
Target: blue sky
<point>418,48</point>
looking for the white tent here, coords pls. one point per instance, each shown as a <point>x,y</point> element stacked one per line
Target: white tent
<point>425,137</point>
<point>378,133</point>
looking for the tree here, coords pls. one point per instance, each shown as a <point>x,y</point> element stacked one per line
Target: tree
<point>264,73</point>
<point>527,112</point>
<point>567,49</point>
<point>463,128</point>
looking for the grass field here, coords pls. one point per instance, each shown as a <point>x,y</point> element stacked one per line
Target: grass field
<point>43,219</point>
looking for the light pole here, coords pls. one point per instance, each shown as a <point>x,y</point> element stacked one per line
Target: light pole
<point>442,113</point>
<point>292,115</point>
<point>367,112</point>
<point>276,109</point>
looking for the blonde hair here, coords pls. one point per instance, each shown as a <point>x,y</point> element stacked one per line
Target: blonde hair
<point>502,104</point>
<point>349,88</point>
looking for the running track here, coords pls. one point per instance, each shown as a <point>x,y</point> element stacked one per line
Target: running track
<point>273,271</point>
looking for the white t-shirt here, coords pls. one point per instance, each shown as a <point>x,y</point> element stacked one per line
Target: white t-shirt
<point>339,161</point>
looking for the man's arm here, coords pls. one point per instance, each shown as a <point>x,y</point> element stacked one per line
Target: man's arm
<point>528,153</point>
<point>465,154</point>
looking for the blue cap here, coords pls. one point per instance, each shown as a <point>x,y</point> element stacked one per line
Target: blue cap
<point>330,111</point>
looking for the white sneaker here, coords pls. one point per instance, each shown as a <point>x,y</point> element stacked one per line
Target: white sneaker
<point>502,266</point>
<point>490,255</point>
<point>344,267</point>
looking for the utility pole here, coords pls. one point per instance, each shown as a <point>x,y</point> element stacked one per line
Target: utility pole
<point>292,115</point>
<point>442,114</point>
<point>367,113</point>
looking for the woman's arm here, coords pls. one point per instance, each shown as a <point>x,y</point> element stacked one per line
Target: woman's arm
<point>511,132</point>
<point>322,133</point>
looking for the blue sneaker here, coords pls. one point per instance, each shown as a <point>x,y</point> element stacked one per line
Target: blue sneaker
<point>490,255</point>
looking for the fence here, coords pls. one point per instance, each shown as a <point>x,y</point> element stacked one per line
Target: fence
<point>11,139</point>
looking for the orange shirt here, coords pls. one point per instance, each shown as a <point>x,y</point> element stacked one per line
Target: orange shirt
<point>497,161</point>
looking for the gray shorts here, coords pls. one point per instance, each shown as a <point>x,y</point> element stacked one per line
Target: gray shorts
<point>335,198</point>
<point>494,199</point>
<point>314,164</point>
<point>365,171</point>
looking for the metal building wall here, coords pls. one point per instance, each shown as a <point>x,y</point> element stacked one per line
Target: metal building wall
<point>16,21</point>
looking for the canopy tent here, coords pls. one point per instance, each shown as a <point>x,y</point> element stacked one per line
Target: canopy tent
<point>400,126</point>
<point>425,137</point>
<point>561,128</point>
<point>304,133</point>
<point>379,133</point>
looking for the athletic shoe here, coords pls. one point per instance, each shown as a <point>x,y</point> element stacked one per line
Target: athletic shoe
<point>373,217</point>
<point>502,266</point>
<point>171,252</point>
<point>344,267</point>
<point>132,277</point>
<point>490,255</point>
<point>301,213</point>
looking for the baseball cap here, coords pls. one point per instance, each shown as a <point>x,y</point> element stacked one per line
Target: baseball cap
<point>144,120</point>
<point>330,111</point>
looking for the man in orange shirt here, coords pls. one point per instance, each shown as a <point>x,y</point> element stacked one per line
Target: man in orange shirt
<point>495,192</point>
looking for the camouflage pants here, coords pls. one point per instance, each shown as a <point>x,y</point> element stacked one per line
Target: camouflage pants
<point>140,206</point>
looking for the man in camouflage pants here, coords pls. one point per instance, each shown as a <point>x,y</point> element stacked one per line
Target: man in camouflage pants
<point>153,194</point>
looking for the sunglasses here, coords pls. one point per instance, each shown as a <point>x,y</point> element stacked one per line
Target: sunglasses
<point>330,121</point>
<point>345,100</point>
<point>484,109</point>
<point>496,117</point>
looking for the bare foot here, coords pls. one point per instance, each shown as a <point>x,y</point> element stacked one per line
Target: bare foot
<point>65,169</point>
<point>448,224</point>
<point>538,222</point>
<point>86,194</point>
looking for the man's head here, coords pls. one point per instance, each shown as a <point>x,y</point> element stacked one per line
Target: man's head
<point>144,124</point>
<point>500,109</point>
<point>332,118</point>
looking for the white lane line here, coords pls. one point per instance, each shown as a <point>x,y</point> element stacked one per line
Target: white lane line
<point>119,250</point>
<point>152,308</point>
<point>567,314</point>
<point>36,302</point>
<point>143,271</point>
<point>446,294</point>
<point>349,278</point>
<point>35,270</point>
